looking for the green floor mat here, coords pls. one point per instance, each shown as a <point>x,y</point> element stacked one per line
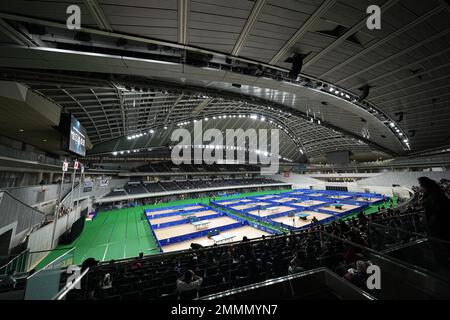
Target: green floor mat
<point>125,233</point>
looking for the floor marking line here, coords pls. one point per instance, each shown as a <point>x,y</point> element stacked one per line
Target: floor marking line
<point>106,250</point>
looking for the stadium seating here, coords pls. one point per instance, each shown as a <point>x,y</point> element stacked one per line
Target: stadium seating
<point>136,188</point>
<point>240,264</point>
<point>153,187</point>
<point>169,167</point>
<point>171,185</point>
<point>116,193</point>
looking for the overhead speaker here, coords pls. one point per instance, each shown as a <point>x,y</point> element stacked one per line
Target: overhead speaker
<point>297,64</point>
<point>399,116</point>
<point>365,92</point>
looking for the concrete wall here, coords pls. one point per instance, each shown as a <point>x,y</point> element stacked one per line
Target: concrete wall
<point>18,212</point>
<point>405,179</point>
<point>41,239</point>
<point>18,217</point>
<point>38,195</point>
<point>299,181</point>
<point>382,185</point>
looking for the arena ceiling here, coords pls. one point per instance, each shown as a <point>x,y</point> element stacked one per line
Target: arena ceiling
<point>143,65</point>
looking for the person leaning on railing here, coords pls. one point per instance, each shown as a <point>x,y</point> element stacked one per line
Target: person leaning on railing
<point>436,206</point>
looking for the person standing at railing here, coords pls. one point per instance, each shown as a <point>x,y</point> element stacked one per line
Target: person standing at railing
<point>437,208</point>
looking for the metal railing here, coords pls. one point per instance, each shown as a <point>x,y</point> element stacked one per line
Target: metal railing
<point>296,286</point>
<point>415,248</point>
<point>61,295</point>
<point>28,156</point>
<point>16,265</point>
<point>47,282</point>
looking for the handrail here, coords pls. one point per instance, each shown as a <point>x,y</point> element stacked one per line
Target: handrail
<point>410,232</point>
<point>399,262</point>
<point>18,256</point>
<point>70,192</point>
<point>283,279</point>
<point>396,217</point>
<point>18,200</point>
<point>46,266</point>
<point>28,156</point>
<point>68,287</point>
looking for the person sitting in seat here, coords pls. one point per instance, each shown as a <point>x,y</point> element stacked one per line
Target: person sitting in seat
<point>196,246</point>
<point>137,263</point>
<point>190,281</point>
<point>88,263</point>
<point>358,275</point>
<point>295,265</point>
<point>106,281</point>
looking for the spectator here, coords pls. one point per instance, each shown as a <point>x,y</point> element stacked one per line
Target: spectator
<point>88,263</point>
<point>358,276</point>
<point>295,265</point>
<point>107,281</point>
<point>137,263</point>
<point>196,246</point>
<point>190,281</point>
<point>437,207</point>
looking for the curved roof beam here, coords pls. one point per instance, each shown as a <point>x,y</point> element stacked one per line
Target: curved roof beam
<point>84,109</point>
<point>395,55</point>
<point>384,40</point>
<point>327,4</point>
<point>364,105</point>
<point>251,20</point>
<point>362,23</point>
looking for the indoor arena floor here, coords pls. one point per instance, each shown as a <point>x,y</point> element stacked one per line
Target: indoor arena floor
<point>124,233</point>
